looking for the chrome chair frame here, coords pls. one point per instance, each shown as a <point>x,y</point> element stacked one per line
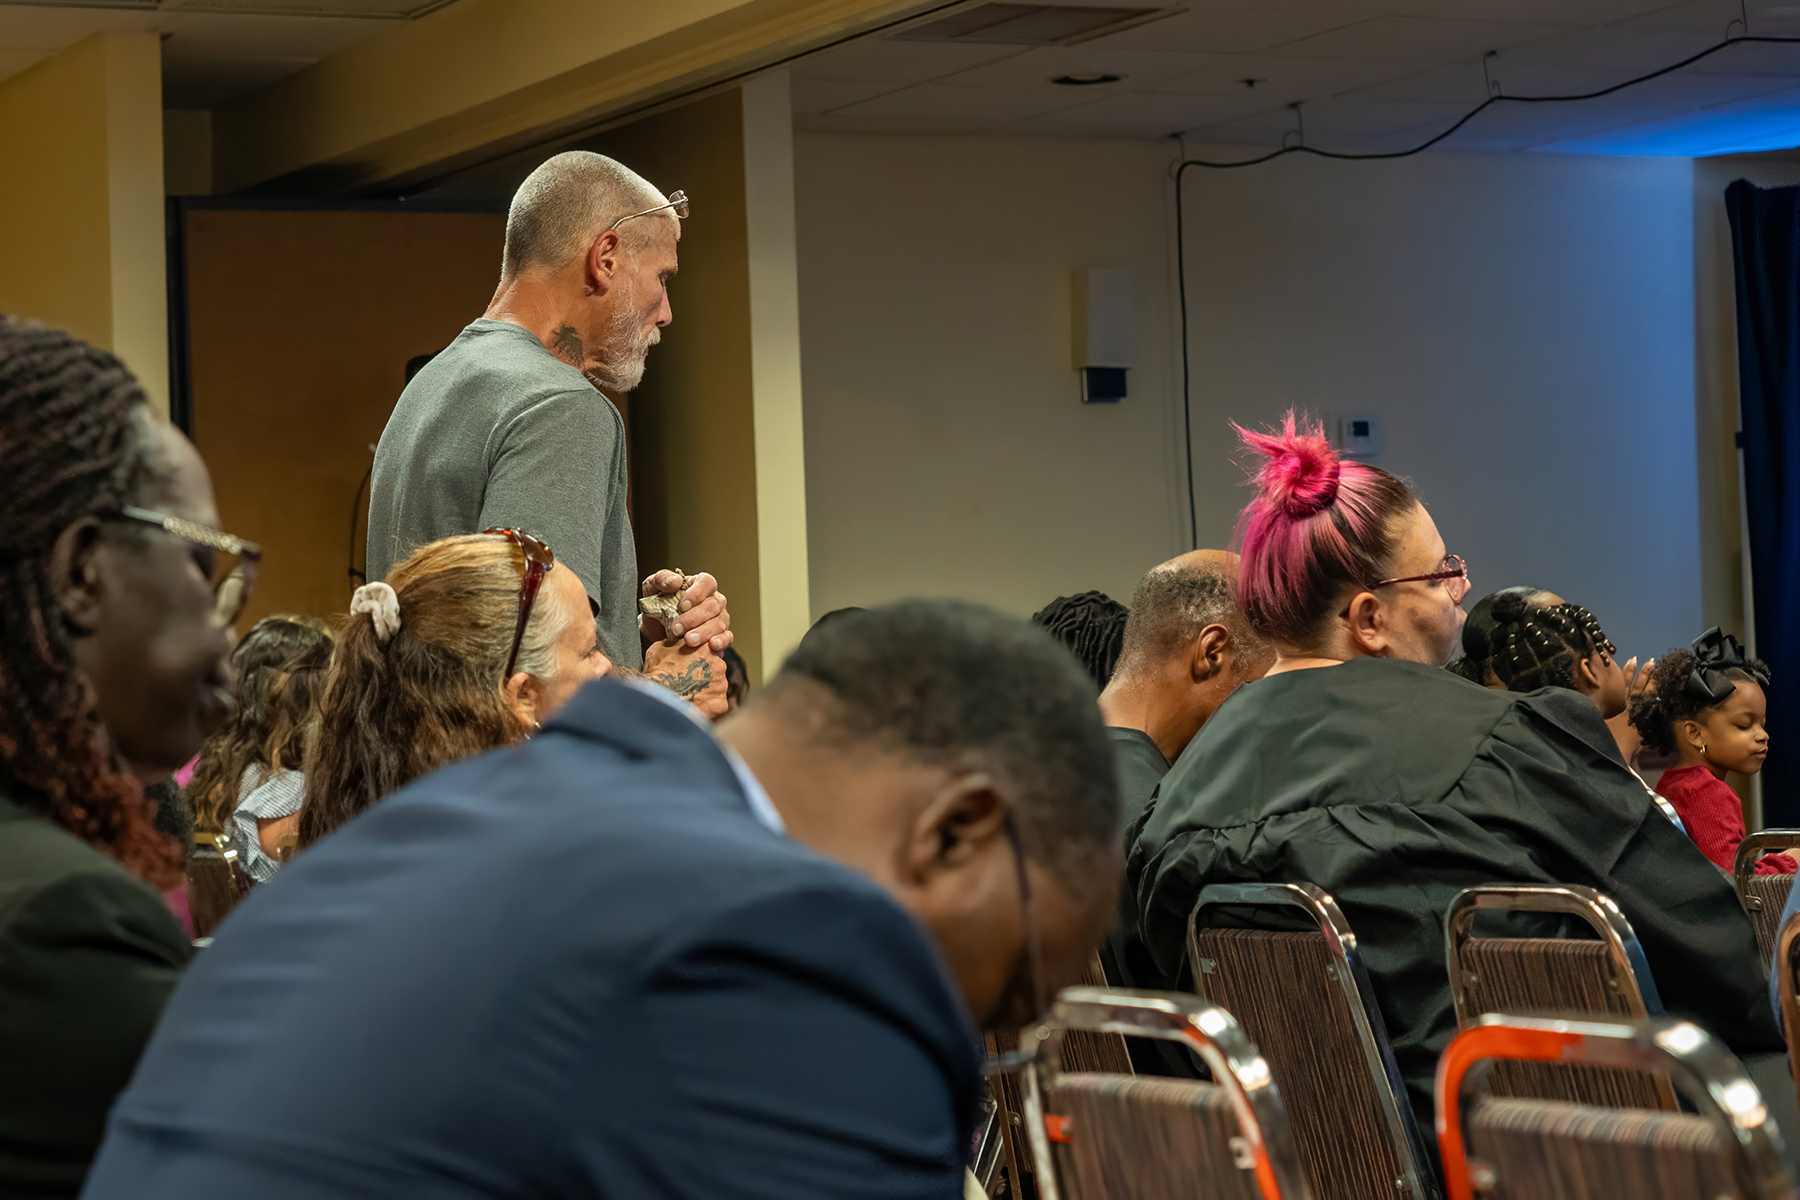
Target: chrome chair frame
<point>1786,944</point>
<point>1359,995</point>
<point>1709,1075</point>
<point>1750,852</point>
<point>1208,1031</point>
<point>1631,976</point>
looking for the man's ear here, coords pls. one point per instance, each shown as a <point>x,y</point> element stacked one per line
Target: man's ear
<point>960,822</point>
<point>603,261</point>
<point>1210,655</point>
<point>1367,622</point>
<point>75,575</point>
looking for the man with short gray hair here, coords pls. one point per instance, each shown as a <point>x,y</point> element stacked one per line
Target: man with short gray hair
<point>507,427</point>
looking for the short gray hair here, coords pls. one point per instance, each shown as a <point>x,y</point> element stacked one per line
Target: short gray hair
<point>1173,603</point>
<point>565,204</point>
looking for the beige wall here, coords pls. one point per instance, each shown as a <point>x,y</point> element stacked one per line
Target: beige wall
<point>1524,324</point>
<point>947,451</point>
<point>81,223</point>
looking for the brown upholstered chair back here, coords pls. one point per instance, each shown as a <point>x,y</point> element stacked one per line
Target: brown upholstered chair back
<point>1082,1050</point>
<point>1764,896</point>
<point>1147,1139</point>
<point>1305,1001</point>
<point>1606,977</point>
<point>1553,1150</point>
<point>1108,1136</point>
<point>215,882</point>
<point>1550,1150</point>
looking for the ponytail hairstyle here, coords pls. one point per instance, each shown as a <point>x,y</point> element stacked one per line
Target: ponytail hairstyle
<point>1092,626</point>
<point>400,705</point>
<point>1317,526</point>
<point>76,441</point>
<point>274,670</point>
<point>1685,684</point>
<point>1539,647</point>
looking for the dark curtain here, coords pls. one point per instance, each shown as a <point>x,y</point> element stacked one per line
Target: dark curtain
<point>1765,242</point>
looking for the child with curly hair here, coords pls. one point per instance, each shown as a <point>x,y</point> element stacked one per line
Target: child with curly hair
<point>1706,705</point>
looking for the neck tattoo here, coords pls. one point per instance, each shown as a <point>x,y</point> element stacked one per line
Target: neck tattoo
<point>565,343</point>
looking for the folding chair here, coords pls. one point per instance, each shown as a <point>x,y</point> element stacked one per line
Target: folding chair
<point>1728,1149</point>
<point>1305,1000</point>
<point>215,881</point>
<point>997,1142</point>
<point>1764,896</point>
<point>1099,1136</point>
<point>1604,977</point>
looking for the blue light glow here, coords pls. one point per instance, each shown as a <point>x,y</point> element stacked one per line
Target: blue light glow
<point>1769,122</point>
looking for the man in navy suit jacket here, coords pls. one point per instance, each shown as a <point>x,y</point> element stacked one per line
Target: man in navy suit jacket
<point>605,964</point>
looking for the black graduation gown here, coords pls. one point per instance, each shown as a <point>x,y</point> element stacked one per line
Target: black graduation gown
<point>1393,785</point>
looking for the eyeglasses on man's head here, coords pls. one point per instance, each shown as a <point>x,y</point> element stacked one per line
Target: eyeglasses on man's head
<point>677,203</point>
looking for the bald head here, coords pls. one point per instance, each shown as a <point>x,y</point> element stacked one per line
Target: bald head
<point>1175,601</point>
<point>568,202</point>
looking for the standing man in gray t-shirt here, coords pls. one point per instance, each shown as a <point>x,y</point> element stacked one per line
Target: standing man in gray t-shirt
<point>507,427</point>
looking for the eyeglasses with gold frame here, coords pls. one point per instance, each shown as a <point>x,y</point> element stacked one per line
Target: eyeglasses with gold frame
<point>678,202</point>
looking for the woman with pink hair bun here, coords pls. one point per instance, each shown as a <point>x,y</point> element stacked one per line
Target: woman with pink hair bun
<point>1340,560</point>
<point>1361,766</point>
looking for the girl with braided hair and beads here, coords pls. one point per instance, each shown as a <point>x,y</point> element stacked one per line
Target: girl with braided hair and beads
<point>111,671</point>
<point>1706,705</point>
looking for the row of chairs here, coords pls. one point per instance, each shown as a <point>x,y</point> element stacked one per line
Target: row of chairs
<point>1307,1100</point>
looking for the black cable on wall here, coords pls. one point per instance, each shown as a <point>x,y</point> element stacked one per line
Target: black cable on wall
<point>1495,97</point>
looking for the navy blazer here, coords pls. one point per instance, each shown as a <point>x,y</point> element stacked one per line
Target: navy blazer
<point>577,967</point>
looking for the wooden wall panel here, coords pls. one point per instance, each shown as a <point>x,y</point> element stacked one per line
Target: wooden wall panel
<point>300,324</point>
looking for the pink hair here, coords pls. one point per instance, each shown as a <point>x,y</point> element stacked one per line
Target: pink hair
<point>1317,526</point>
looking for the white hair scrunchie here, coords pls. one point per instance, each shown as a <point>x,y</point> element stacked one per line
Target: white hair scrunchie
<point>383,606</point>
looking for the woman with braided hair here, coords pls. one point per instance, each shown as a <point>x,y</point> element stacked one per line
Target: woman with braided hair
<point>1361,767</point>
<point>111,669</point>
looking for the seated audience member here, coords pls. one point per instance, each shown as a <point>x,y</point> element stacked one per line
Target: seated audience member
<point>111,667</point>
<point>1476,662</point>
<point>1706,706</point>
<point>737,678</point>
<point>626,960</point>
<point>249,783</point>
<point>1186,649</point>
<point>1356,764</point>
<point>472,643</point>
<point>1092,626</point>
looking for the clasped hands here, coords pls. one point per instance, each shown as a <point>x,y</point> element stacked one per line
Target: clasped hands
<point>685,656</point>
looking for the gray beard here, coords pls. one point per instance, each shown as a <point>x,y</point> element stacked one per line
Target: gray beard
<point>625,351</point>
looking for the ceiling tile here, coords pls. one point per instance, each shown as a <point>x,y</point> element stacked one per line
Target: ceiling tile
<point>1037,66</point>
<point>1211,31</point>
<point>1280,80</point>
<point>823,95</point>
<point>899,62</point>
<point>1424,40</point>
<point>948,102</point>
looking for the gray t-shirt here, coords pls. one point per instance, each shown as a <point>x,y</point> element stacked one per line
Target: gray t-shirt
<point>497,431</point>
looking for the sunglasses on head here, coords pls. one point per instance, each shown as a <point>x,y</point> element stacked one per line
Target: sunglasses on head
<point>539,562</point>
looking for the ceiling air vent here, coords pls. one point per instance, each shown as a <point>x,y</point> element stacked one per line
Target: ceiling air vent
<point>1032,24</point>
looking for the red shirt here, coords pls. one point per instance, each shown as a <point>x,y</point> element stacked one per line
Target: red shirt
<point>1714,817</point>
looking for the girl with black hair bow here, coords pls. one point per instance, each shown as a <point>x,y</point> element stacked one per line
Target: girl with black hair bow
<point>1706,705</point>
